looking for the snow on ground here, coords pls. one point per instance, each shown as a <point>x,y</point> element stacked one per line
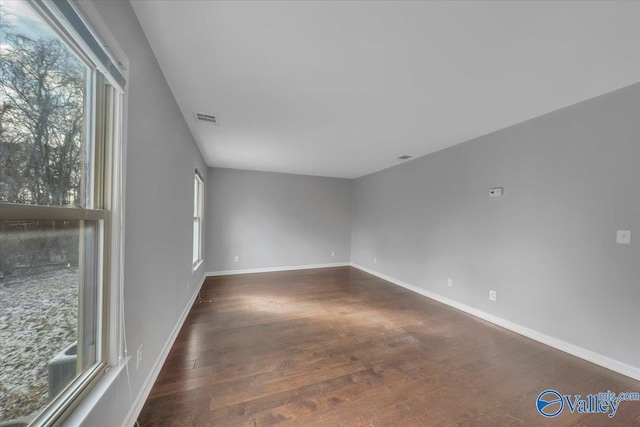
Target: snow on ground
<point>38,319</point>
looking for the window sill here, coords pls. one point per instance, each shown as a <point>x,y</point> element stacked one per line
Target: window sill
<point>100,389</point>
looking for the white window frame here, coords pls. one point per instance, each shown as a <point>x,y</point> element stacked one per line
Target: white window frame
<point>76,402</point>
<point>198,203</point>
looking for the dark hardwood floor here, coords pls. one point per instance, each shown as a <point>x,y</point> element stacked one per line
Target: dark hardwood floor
<point>339,347</point>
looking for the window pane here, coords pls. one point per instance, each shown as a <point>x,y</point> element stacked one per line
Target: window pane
<point>48,310</point>
<point>195,196</point>
<point>43,158</point>
<point>196,240</point>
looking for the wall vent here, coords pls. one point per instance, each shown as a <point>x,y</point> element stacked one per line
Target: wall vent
<point>405,157</point>
<point>206,117</point>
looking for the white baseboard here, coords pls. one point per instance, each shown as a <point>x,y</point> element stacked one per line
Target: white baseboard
<point>271,269</point>
<point>598,359</point>
<point>140,400</point>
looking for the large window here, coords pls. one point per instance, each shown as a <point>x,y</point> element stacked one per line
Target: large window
<point>198,197</point>
<point>57,127</point>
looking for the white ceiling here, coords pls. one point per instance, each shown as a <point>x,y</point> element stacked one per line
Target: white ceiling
<point>344,88</point>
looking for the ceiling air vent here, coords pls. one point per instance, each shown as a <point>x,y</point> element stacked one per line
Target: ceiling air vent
<point>405,157</point>
<point>206,117</point>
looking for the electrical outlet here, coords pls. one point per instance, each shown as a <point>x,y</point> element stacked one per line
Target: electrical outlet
<point>333,253</point>
<point>623,237</point>
<point>450,282</point>
<point>496,192</point>
<point>492,295</point>
<point>236,258</point>
<point>375,260</point>
<point>139,357</point>
<point>188,283</point>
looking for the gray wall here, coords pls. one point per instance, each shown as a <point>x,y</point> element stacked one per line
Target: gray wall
<point>571,178</point>
<point>161,157</point>
<point>275,220</point>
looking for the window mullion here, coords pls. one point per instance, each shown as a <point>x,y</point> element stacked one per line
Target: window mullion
<point>35,212</point>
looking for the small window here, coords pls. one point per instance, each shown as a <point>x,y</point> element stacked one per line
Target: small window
<point>198,197</point>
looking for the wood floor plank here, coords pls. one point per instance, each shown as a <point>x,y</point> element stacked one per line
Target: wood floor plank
<point>339,347</point>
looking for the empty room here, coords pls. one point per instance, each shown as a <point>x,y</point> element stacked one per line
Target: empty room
<point>319,213</point>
